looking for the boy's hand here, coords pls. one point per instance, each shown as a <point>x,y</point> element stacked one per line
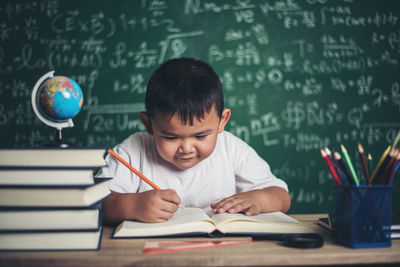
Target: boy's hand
<point>156,205</point>
<point>250,203</point>
<point>254,202</point>
<point>149,206</point>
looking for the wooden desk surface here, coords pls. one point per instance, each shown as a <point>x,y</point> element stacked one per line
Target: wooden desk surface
<point>128,252</point>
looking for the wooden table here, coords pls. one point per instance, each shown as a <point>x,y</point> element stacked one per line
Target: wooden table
<point>128,252</point>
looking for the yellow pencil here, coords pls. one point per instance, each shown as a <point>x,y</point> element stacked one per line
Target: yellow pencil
<point>381,160</point>
<point>396,140</point>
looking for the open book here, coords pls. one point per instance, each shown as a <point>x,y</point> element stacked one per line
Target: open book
<point>196,222</point>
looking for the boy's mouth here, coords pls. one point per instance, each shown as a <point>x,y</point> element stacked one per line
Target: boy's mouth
<point>185,159</point>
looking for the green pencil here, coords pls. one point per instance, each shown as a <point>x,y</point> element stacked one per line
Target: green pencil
<point>351,168</point>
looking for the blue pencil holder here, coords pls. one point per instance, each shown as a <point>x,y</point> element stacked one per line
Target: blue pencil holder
<point>363,215</point>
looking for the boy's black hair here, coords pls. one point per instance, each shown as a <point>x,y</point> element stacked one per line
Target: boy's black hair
<point>185,86</point>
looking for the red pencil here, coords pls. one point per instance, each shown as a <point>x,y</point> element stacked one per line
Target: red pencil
<point>330,166</point>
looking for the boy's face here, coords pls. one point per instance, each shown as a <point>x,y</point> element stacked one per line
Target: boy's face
<point>185,145</point>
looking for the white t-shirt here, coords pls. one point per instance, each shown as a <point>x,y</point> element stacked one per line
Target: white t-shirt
<point>233,167</point>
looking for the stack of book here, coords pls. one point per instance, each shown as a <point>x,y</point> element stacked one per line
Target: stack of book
<point>50,200</point>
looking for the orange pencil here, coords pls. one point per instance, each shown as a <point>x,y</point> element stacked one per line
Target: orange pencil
<point>133,169</point>
<point>141,176</point>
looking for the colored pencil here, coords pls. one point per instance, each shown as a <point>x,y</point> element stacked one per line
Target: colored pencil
<point>350,165</point>
<point>330,166</point>
<point>331,159</point>
<point>141,176</point>
<point>342,166</point>
<point>387,170</point>
<point>336,166</point>
<point>396,163</point>
<point>394,169</point>
<point>361,154</point>
<point>370,164</point>
<point>381,160</point>
<point>328,152</point>
<point>379,179</point>
<point>396,140</point>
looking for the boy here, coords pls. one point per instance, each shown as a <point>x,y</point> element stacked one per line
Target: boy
<point>187,153</point>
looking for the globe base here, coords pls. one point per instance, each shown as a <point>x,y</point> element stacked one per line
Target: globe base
<point>58,142</point>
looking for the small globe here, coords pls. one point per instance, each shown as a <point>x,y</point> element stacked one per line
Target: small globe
<point>59,98</point>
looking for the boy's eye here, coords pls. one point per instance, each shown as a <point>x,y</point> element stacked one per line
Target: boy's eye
<point>170,137</point>
<point>201,136</point>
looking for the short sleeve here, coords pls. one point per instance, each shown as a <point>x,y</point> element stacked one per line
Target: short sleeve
<point>124,181</point>
<point>251,171</point>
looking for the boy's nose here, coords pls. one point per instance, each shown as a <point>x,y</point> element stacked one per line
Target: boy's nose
<point>186,146</point>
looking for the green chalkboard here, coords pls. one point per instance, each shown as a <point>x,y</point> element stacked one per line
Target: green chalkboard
<point>297,74</point>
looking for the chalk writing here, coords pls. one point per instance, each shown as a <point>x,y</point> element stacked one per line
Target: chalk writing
<point>296,74</point>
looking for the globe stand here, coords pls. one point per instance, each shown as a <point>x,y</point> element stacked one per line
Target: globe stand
<point>58,142</point>
<point>57,124</point>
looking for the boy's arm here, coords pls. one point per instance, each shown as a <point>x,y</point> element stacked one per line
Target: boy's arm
<point>253,202</point>
<point>148,206</point>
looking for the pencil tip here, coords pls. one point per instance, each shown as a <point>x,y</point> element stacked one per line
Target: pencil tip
<point>328,151</point>
<point>360,148</point>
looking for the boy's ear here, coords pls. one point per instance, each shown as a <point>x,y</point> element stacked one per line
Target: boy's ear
<point>146,122</point>
<point>226,114</point>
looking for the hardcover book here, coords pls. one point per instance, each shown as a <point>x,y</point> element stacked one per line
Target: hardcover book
<point>54,196</point>
<point>75,240</point>
<point>50,219</point>
<point>52,157</point>
<point>46,176</point>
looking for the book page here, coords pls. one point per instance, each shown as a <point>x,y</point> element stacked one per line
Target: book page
<point>277,217</point>
<point>274,222</point>
<point>186,215</point>
<point>184,221</point>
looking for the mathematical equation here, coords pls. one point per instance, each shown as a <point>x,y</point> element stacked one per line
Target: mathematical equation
<point>297,74</point>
